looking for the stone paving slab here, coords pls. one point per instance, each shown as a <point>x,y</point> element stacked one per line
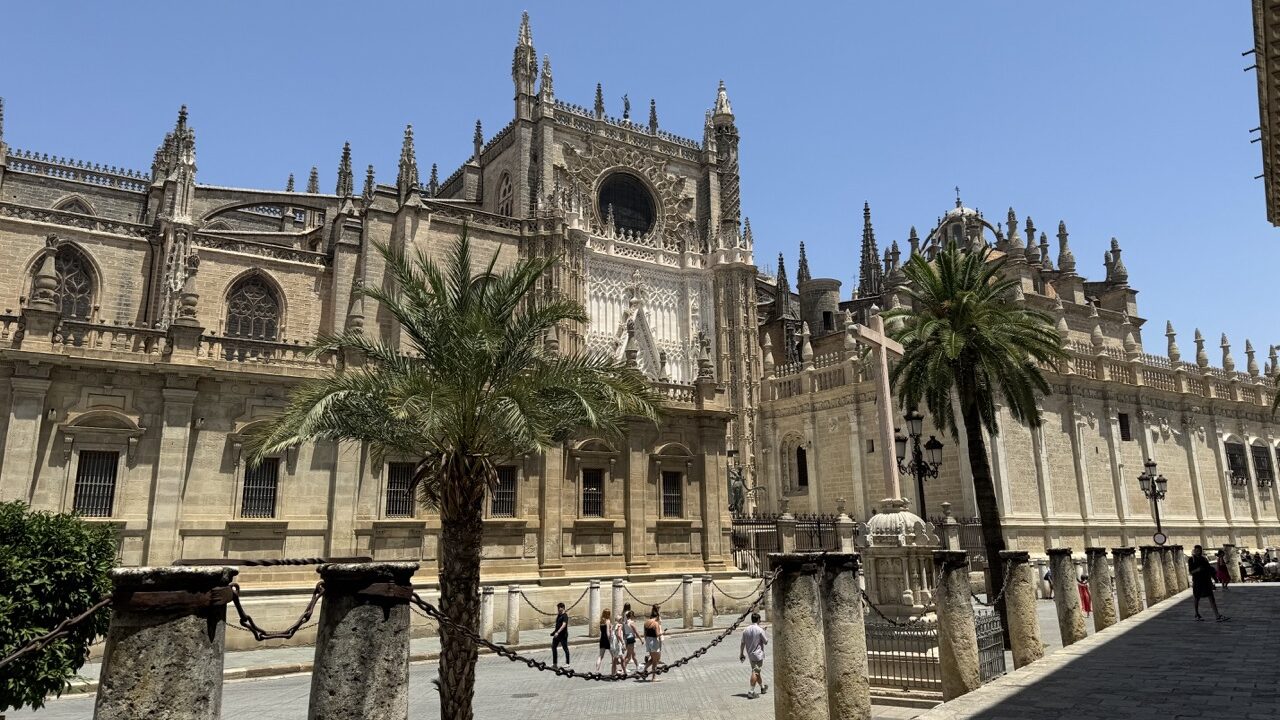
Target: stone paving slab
<point>1159,664</point>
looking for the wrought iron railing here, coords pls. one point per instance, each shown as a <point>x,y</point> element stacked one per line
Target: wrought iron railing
<point>990,645</point>
<point>903,658</point>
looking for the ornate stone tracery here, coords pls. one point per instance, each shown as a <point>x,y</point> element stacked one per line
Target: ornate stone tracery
<point>586,170</point>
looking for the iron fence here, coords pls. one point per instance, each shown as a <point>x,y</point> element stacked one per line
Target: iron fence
<point>970,538</point>
<point>815,533</point>
<point>990,645</point>
<point>754,537</point>
<point>903,658</point>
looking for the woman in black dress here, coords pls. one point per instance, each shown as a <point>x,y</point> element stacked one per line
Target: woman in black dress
<point>1202,574</point>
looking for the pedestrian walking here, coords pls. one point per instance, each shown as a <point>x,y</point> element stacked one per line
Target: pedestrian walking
<point>1202,581</point>
<point>1223,574</point>
<point>1086,600</point>
<point>629,639</point>
<point>560,636</point>
<point>752,646</point>
<point>606,639</point>
<point>616,647</point>
<point>1048,583</point>
<point>652,643</point>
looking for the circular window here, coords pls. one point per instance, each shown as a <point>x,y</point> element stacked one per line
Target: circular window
<point>633,206</point>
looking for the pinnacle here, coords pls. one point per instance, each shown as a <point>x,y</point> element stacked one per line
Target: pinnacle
<point>525,37</point>
<point>802,273</point>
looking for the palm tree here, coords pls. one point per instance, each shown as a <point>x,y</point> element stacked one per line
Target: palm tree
<point>476,382</point>
<point>964,336</point>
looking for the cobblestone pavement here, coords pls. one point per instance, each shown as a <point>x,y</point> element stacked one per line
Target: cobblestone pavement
<point>1163,665</point>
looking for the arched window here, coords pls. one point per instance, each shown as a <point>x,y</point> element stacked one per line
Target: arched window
<point>74,205</point>
<point>506,196</point>
<point>75,283</point>
<point>795,464</point>
<point>802,467</point>
<point>253,310</point>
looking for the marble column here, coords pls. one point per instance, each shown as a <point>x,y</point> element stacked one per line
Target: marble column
<point>1152,574</point>
<point>1128,592</point>
<point>799,656</point>
<point>1101,589</point>
<point>1066,596</point>
<point>957,633</point>
<point>1020,606</point>
<point>848,688</point>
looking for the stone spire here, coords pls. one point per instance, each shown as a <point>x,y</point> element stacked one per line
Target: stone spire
<point>477,141</point>
<point>1130,344</point>
<point>722,108</point>
<point>653,115</point>
<point>1031,238</point>
<point>1228,362</point>
<point>806,347</point>
<point>726,149</point>
<point>748,240</point>
<point>1202,358</point>
<point>1032,252</point>
<point>407,179</point>
<point>1063,329</point>
<point>869,270</point>
<point>175,162</point>
<point>1274,361</point>
<point>524,69</point>
<point>1015,246</point>
<point>346,179</point>
<point>1252,364</point>
<point>1066,261</point>
<point>1011,228</point>
<point>313,181</point>
<point>895,275</point>
<point>288,185</point>
<point>1119,274</point>
<point>433,182</point>
<point>1095,336</point>
<point>1175,355</point>
<point>913,240</point>
<point>367,193</point>
<point>766,355</point>
<point>782,300</point>
<point>599,108</point>
<point>1046,261</point>
<point>802,273</point>
<point>547,91</point>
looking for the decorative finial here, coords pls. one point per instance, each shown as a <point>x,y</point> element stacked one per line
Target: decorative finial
<point>802,273</point>
<point>1119,274</point>
<point>313,181</point>
<point>547,90</point>
<point>626,107</point>
<point>478,140</point>
<point>346,181</point>
<point>1066,260</point>
<point>748,240</point>
<point>913,240</point>
<point>783,285</point>
<point>806,348</point>
<point>653,115</point>
<point>722,102</point>
<point>433,182</point>
<point>766,355</point>
<point>1228,362</point>
<point>1274,361</point>
<point>958,203</point>
<point>407,180</point>
<point>1252,363</point>
<point>599,101</point>
<point>1046,261</point>
<point>367,193</point>
<point>1202,358</point>
<point>1175,355</point>
<point>288,186</point>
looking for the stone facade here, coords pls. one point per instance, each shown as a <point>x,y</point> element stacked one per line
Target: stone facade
<point>150,320</point>
<point>1073,481</point>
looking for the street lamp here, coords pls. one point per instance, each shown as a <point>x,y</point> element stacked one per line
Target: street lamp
<point>1154,485</point>
<point>924,461</point>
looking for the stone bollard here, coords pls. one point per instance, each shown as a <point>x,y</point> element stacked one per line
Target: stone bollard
<point>164,649</point>
<point>1101,589</point>
<point>1066,596</point>
<point>1128,594</point>
<point>1232,554</point>
<point>848,688</point>
<point>957,633</point>
<point>799,659</point>
<point>786,528</point>
<point>1020,606</point>
<point>486,612</point>
<point>1170,572</point>
<point>617,598</point>
<point>708,603</point>
<point>1180,562</point>
<point>513,614</point>
<point>363,633</point>
<point>1152,574</point>
<point>593,608</point>
<point>686,593</point>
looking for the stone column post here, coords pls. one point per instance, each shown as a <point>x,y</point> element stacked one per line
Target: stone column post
<point>593,608</point>
<point>513,614</point>
<point>957,633</point>
<point>164,649</point>
<point>1152,574</point>
<point>1128,596</point>
<point>1020,606</point>
<point>800,665</point>
<point>486,612</point>
<point>786,527</point>
<point>708,602</point>
<point>363,633</point>
<point>617,597</point>
<point>1180,562</point>
<point>848,688</point>
<point>845,529</point>
<point>1066,596</point>
<point>1170,571</point>
<point>1233,561</point>
<point>686,595</point>
<point>1101,589</point>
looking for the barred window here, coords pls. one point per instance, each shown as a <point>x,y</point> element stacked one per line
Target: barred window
<point>1262,464</point>
<point>400,489</point>
<point>672,494</point>
<point>253,310</point>
<point>75,283</point>
<point>502,501</point>
<point>260,484</point>
<point>1126,432</point>
<point>1236,463</point>
<point>592,492</point>
<point>95,483</point>
<point>506,195</point>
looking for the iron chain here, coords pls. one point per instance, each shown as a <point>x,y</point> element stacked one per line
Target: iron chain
<point>1004,586</point>
<point>258,633</point>
<point>738,597</point>
<point>662,602</point>
<point>62,629</point>
<point>540,611</point>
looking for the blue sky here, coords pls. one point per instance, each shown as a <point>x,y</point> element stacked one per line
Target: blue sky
<point>1120,120</point>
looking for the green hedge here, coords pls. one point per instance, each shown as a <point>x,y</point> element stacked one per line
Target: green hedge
<point>52,567</point>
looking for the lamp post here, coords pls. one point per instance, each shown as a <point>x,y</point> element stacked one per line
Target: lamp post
<point>1153,486</point>
<point>924,461</point>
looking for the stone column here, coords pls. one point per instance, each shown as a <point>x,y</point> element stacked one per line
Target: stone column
<point>1066,596</point>
<point>957,633</point>
<point>1180,562</point>
<point>593,608</point>
<point>513,614</point>
<point>1128,596</point>
<point>1020,606</point>
<point>1233,561</point>
<point>786,528</point>
<point>22,436</point>
<point>1152,574</point>
<point>617,598</point>
<point>1101,589</point>
<point>1170,571</point>
<point>166,500</point>
<point>686,594</point>
<point>708,603</point>
<point>486,612</point>
<point>164,649</point>
<point>848,688</point>
<point>363,633</point>
<point>845,530</point>
<point>800,665</point>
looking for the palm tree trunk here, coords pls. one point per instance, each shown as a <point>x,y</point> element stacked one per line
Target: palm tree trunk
<point>984,491</point>
<point>461,536</point>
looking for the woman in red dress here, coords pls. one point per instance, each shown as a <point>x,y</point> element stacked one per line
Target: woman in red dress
<point>1224,575</point>
<point>1086,600</point>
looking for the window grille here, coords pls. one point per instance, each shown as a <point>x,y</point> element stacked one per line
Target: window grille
<point>502,501</point>
<point>400,489</point>
<point>95,483</point>
<point>75,284</point>
<point>253,310</point>
<point>1238,466</point>
<point>592,492</point>
<point>1262,464</point>
<point>260,484</point>
<point>672,494</point>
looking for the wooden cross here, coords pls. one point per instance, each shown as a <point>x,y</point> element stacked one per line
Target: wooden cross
<point>882,346</point>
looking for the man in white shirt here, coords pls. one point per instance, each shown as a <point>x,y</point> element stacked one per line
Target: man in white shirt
<point>753,642</point>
